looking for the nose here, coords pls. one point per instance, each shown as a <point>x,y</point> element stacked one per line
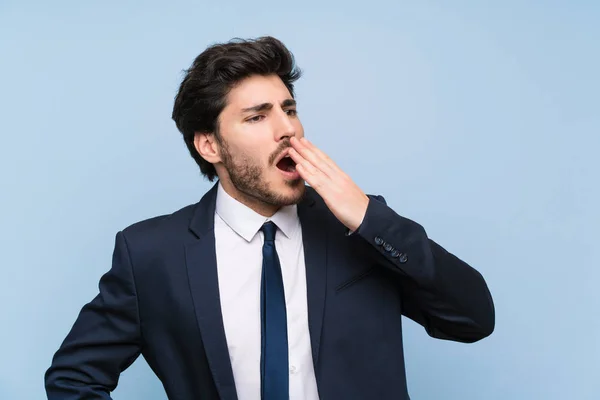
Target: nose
<point>284,127</point>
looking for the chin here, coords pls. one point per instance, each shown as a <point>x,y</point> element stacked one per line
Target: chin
<point>291,192</point>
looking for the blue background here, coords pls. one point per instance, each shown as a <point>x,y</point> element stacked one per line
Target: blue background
<point>479,120</point>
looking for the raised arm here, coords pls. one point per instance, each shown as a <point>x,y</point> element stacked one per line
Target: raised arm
<point>441,292</point>
<point>445,295</point>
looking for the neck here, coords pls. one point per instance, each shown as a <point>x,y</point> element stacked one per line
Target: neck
<point>258,206</point>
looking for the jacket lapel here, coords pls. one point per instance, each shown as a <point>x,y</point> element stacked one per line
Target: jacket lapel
<point>314,237</point>
<point>202,272</point>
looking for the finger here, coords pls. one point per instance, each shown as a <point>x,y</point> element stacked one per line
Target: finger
<point>297,157</point>
<point>319,153</point>
<point>307,171</point>
<point>314,178</point>
<point>302,162</point>
<point>312,157</point>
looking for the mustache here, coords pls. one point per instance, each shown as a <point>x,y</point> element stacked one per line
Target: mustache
<point>280,149</point>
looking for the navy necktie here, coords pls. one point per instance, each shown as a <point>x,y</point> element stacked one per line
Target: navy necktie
<point>274,374</point>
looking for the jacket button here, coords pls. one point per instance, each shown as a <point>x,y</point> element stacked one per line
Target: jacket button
<point>378,241</point>
<point>402,258</point>
<point>395,253</point>
<point>388,247</point>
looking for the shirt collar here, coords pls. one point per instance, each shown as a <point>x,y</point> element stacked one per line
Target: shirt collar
<point>246,222</point>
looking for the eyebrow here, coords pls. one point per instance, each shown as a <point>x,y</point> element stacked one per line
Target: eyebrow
<point>268,106</point>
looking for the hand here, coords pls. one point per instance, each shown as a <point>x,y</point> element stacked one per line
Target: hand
<point>343,197</point>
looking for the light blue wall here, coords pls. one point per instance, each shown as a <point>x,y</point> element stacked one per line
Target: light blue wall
<point>479,121</point>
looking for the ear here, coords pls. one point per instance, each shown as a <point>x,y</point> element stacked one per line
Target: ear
<point>207,146</point>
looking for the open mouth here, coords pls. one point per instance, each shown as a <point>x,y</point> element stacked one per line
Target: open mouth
<point>286,164</point>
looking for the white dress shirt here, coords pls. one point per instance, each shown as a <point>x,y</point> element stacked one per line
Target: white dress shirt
<point>239,244</point>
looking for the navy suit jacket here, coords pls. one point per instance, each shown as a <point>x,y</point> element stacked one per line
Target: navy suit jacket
<point>160,299</point>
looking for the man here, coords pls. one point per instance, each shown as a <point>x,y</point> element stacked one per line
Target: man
<point>267,288</point>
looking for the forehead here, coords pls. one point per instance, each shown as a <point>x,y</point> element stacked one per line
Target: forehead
<point>257,90</point>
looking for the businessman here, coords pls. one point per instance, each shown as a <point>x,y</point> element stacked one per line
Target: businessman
<point>267,288</point>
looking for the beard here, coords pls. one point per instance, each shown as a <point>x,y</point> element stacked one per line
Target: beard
<point>246,175</point>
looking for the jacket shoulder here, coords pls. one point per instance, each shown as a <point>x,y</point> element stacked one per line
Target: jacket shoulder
<point>156,232</point>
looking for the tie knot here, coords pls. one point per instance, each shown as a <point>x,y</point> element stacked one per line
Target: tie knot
<point>269,230</point>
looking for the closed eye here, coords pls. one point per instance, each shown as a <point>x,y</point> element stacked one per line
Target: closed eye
<point>256,118</point>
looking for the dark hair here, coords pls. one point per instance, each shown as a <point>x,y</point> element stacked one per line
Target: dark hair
<point>202,93</point>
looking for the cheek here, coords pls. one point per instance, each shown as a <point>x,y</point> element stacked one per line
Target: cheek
<point>252,145</point>
<point>299,129</point>
<point>254,154</point>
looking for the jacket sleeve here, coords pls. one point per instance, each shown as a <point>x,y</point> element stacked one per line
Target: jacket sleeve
<point>442,293</point>
<point>104,340</point>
